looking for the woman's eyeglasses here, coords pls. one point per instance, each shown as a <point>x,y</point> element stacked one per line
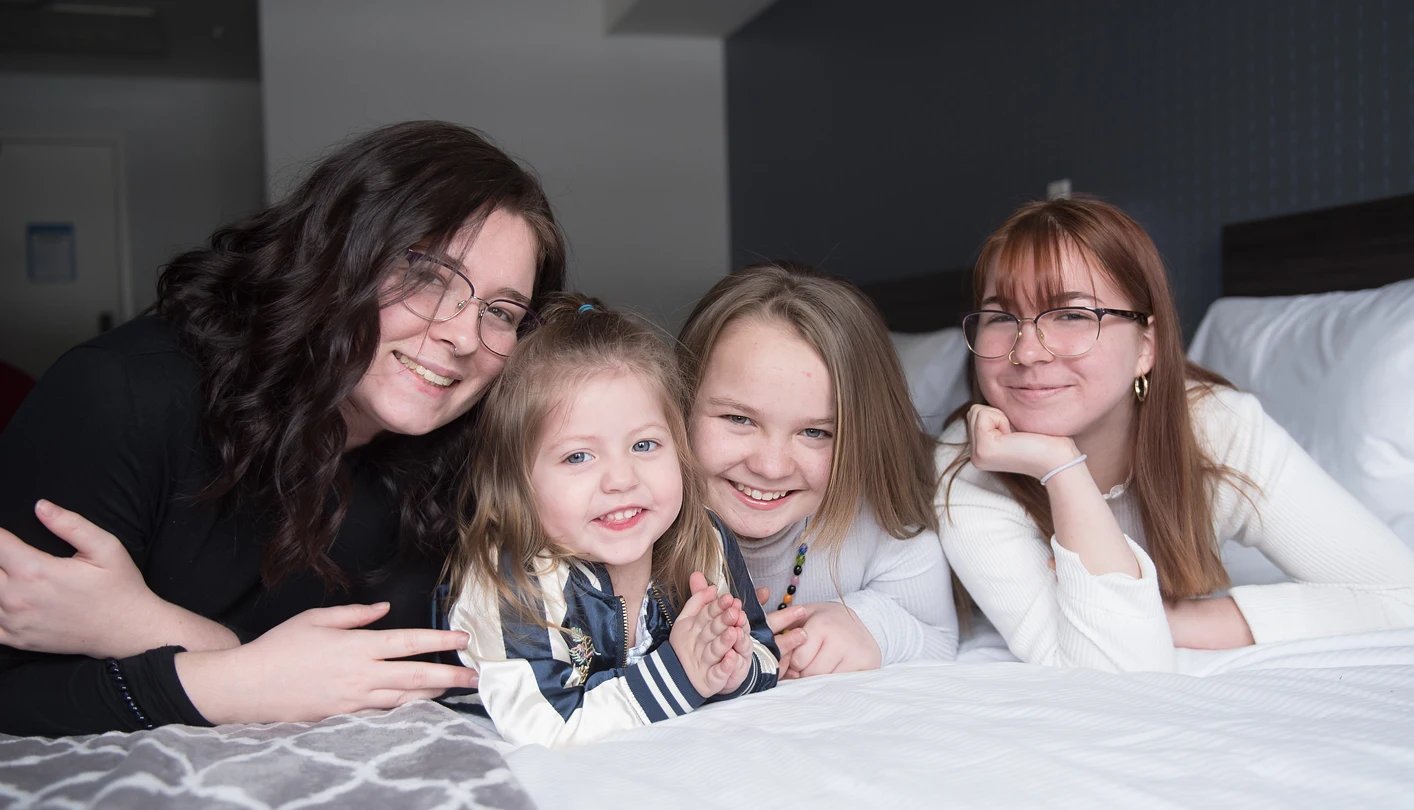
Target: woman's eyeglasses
<point>1064,331</point>
<point>436,291</point>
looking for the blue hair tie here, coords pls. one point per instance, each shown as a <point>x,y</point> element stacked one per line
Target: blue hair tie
<point>583,308</point>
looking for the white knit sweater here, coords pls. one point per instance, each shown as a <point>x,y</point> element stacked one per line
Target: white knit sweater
<point>900,589</point>
<point>1349,571</point>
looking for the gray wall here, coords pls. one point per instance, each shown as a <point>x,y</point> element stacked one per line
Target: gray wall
<point>886,139</point>
<point>627,132</point>
<point>191,149</point>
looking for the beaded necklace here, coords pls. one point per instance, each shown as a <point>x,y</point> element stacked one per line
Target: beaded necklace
<point>795,576</point>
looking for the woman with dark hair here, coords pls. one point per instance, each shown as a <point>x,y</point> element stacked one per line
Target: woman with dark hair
<point>277,447</point>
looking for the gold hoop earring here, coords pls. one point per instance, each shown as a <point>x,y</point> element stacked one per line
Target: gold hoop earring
<point>1011,355</point>
<point>1141,387</point>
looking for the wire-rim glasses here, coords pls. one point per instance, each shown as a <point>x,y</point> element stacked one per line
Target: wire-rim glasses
<point>436,291</point>
<point>1064,331</point>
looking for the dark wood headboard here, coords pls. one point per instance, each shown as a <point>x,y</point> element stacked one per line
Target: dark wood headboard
<point>1350,247</point>
<point>923,303</point>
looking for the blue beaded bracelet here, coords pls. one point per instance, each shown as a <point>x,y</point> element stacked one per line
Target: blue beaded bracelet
<point>116,673</point>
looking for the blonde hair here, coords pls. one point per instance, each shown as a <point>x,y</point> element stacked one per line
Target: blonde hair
<point>882,455</point>
<point>1172,478</point>
<point>503,545</point>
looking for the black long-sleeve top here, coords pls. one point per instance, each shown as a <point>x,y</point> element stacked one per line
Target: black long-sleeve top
<point>112,432</point>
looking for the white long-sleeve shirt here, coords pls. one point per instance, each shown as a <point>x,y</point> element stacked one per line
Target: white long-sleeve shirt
<point>900,589</point>
<point>1349,571</point>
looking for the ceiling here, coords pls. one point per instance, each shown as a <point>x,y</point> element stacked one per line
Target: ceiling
<point>202,38</point>
<point>221,38</point>
<point>692,18</point>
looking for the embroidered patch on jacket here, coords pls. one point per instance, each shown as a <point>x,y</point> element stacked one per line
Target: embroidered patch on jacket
<point>582,654</point>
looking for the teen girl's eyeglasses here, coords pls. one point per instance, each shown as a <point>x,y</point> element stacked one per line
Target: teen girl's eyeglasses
<point>1064,331</point>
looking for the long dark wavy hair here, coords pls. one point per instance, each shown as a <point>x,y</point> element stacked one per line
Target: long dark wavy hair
<point>281,314</point>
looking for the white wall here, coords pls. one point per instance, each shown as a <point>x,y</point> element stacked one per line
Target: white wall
<point>628,133</point>
<point>191,151</point>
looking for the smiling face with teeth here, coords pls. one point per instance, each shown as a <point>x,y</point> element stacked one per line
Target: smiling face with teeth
<point>415,384</point>
<point>763,427</point>
<point>606,476</point>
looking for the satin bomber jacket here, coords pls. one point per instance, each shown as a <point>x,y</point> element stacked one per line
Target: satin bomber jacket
<point>574,685</point>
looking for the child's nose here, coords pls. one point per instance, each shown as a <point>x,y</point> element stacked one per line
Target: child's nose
<point>771,459</point>
<point>619,476</point>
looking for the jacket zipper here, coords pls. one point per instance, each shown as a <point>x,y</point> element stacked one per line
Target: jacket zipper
<point>658,597</point>
<point>623,617</point>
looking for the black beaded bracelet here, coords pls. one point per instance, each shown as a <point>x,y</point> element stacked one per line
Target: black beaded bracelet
<point>116,673</point>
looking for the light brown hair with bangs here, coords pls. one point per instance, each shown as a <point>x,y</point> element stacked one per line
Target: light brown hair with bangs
<point>882,455</point>
<point>503,544</point>
<point>1170,475</point>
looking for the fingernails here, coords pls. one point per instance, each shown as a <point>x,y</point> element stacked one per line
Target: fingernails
<point>463,639</point>
<point>44,509</point>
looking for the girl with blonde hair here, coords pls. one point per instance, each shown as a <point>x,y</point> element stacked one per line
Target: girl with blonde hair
<point>816,460</point>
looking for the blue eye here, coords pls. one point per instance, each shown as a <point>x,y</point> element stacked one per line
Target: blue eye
<point>645,446</point>
<point>816,433</point>
<point>577,457</point>
<point>737,419</point>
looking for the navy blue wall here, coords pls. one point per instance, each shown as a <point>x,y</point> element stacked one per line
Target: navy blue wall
<point>886,138</point>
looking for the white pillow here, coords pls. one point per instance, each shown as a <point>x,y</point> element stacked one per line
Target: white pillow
<point>1337,371</point>
<point>935,364</point>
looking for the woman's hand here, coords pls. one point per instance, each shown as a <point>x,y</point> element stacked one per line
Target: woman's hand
<point>1208,624</point>
<point>997,448</point>
<point>317,665</point>
<point>94,603</point>
<point>834,640</point>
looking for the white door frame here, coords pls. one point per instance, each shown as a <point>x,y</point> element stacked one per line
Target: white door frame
<point>120,205</point>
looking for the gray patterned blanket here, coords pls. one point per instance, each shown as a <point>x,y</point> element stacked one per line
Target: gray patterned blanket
<point>419,756</point>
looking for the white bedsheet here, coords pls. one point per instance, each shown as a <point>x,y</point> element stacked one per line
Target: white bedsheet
<point>1323,723</point>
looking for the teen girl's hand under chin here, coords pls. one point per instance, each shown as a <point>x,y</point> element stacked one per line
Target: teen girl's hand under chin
<point>998,448</point>
<point>47,602</point>
<point>705,637</point>
<point>1083,521</point>
<point>317,665</point>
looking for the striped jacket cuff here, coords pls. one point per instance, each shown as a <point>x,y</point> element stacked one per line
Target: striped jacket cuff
<point>661,686</point>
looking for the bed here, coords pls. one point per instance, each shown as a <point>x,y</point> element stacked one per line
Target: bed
<point>1317,723</point>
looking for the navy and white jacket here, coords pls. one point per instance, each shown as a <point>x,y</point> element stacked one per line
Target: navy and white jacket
<point>570,686</point>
